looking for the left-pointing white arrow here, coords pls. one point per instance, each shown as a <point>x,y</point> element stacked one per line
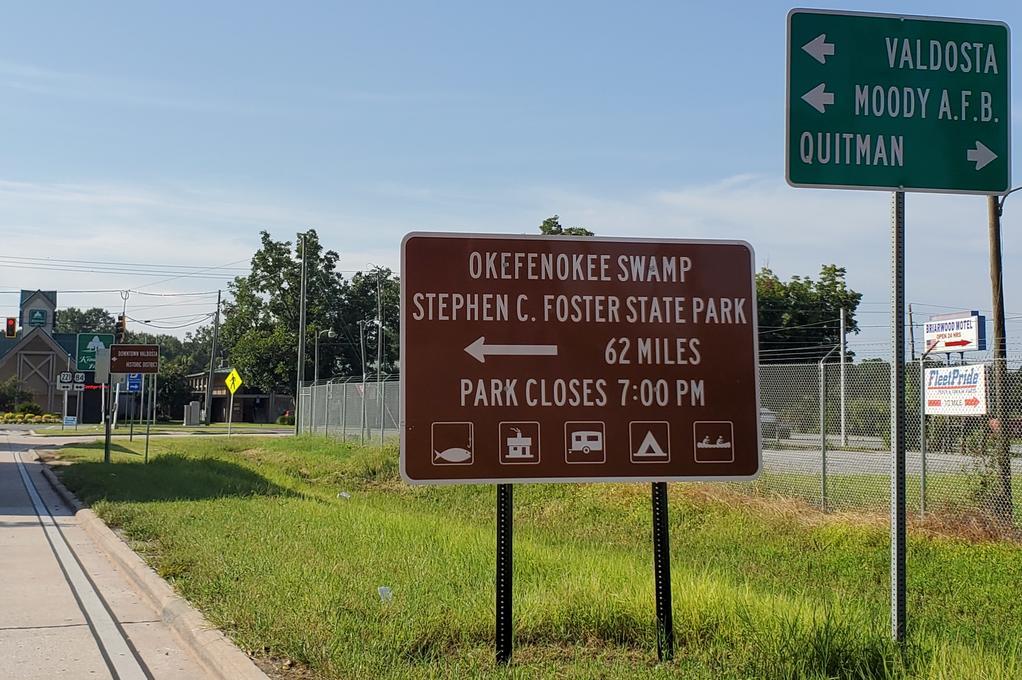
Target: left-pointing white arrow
<point>819,48</point>
<point>981,155</point>
<point>819,98</point>
<point>479,349</point>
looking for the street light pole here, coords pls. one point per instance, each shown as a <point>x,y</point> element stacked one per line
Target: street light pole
<point>301,344</point>
<point>315,373</point>
<point>362,353</point>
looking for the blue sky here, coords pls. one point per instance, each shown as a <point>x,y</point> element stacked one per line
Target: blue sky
<point>170,134</point>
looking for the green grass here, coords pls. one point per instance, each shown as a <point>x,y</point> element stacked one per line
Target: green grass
<point>254,533</point>
<point>946,493</point>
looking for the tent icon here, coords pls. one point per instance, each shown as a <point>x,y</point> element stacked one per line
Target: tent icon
<point>650,441</point>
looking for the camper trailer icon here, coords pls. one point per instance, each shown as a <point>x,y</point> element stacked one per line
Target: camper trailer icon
<point>584,442</point>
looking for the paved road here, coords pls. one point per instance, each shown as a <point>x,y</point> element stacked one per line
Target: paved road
<point>65,609</point>
<point>869,462</point>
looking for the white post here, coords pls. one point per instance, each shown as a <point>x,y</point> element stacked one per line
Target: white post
<point>117,403</point>
<point>102,400</point>
<point>64,414</point>
<point>844,436</point>
<point>230,415</point>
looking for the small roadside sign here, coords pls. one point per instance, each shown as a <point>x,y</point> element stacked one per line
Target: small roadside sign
<point>566,360</point>
<point>70,421</point>
<point>233,380</point>
<point>135,359</point>
<point>88,343</point>
<point>956,391</point>
<point>902,103</point>
<point>947,333</point>
<point>133,383</point>
<point>101,362</point>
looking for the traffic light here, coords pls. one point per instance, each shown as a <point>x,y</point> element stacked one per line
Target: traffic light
<point>11,328</point>
<point>122,329</point>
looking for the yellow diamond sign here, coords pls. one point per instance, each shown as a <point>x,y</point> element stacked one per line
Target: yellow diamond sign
<point>233,380</point>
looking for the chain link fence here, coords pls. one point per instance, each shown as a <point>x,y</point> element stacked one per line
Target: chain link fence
<point>350,408</point>
<point>826,438</point>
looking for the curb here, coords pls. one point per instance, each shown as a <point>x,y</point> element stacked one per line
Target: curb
<point>211,647</point>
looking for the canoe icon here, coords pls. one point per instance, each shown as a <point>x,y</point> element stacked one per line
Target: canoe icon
<point>454,454</point>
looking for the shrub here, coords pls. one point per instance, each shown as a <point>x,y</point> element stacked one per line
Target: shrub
<point>29,407</point>
<point>286,420</point>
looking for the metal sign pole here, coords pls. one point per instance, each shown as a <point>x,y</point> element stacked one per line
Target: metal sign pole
<point>230,414</point>
<point>922,434</point>
<point>64,414</point>
<point>898,534</point>
<point>152,415</point>
<point>131,417</point>
<point>823,436</point>
<point>504,545</point>
<point>662,573</point>
<point>106,421</point>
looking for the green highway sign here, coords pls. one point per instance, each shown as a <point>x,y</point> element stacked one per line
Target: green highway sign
<point>88,343</point>
<point>902,103</point>
<point>37,317</point>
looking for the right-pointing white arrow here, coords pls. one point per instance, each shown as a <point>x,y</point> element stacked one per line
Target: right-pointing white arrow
<point>981,155</point>
<point>818,98</point>
<point>819,49</point>
<point>479,350</point>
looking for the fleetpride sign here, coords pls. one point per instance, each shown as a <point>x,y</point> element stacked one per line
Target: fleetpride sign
<point>956,391</point>
<point>902,103</point>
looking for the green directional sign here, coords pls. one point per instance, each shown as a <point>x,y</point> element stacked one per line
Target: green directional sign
<point>881,101</point>
<point>88,343</point>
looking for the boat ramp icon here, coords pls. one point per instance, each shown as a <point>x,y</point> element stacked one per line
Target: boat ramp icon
<point>714,441</point>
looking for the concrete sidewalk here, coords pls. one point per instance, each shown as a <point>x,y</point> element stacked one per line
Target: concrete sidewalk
<point>66,611</point>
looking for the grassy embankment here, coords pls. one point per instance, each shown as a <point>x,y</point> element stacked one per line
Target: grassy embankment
<point>253,532</point>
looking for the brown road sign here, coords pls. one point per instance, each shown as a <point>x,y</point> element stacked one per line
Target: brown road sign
<point>537,358</point>
<point>135,359</point>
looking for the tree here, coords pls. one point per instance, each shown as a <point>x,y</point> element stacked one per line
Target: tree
<point>799,320</point>
<point>260,327</point>
<point>552,227</point>
<point>74,320</point>
<point>11,394</point>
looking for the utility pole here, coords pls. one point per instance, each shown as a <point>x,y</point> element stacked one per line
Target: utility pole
<point>301,344</point>
<point>1003,507</point>
<point>212,355</point>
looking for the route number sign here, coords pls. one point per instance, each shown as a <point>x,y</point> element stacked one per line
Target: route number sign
<point>577,359</point>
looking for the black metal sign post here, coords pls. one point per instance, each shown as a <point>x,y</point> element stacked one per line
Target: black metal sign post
<point>662,573</point>
<point>504,545</point>
<point>898,534</point>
